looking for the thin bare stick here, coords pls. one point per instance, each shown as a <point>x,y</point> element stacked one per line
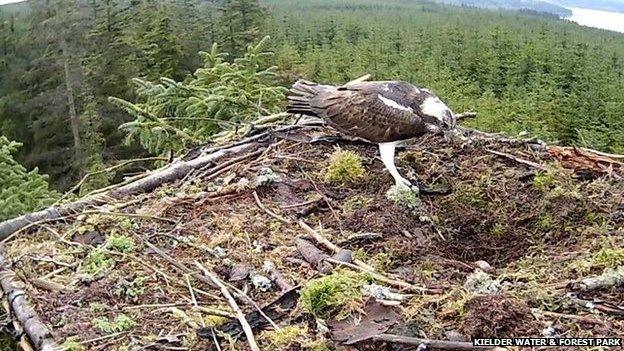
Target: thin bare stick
<point>193,299</point>
<point>429,343</point>
<point>329,245</point>
<point>465,115</point>
<point>377,276</point>
<point>517,159</point>
<point>131,215</point>
<point>360,79</point>
<point>576,317</point>
<point>267,211</point>
<point>239,313</point>
<point>358,264</point>
<point>106,170</point>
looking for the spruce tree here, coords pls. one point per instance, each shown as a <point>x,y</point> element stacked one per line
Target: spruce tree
<point>20,191</point>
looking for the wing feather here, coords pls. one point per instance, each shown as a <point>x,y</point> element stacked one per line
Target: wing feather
<point>364,114</point>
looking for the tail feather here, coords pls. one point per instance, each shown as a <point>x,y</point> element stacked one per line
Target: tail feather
<point>301,94</point>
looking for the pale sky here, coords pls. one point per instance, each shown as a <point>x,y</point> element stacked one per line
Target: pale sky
<point>2,2</point>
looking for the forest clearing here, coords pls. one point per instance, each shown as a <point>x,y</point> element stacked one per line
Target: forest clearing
<point>161,190</point>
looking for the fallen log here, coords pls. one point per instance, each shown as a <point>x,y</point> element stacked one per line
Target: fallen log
<point>174,171</point>
<point>38,333</point>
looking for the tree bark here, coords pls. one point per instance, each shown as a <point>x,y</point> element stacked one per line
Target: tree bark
<point>176,170</point>
<point>37,331</point>
<point>69,90</point>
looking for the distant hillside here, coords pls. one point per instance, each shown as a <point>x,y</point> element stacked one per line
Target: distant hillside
<point>18,7</point>
<point>606,5</point>
<point>536,5</point>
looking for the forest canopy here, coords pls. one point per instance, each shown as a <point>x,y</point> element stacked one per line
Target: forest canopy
<point>75,74</point>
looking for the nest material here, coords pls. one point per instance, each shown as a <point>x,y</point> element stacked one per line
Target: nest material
<point>541,230</point>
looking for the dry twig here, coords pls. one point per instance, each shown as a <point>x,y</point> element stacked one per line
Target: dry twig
<point>267,211</point>
<point>239,313</point>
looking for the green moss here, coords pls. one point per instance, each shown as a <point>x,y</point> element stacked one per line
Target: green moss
<point>470,196</point>
<point>545,221</point>
<point>319,345</point>
<point>332,293</point>
<point>121,323</point>
<point>73,344</point>
<point>609,258</point>
<point>96,262</point>
<point>131,289</point>
<point>98,307</point>
<point>119,242</point>
<point>345,166</point>
<point>545,181</point>
<point>404,196</point>
<point>283,338</point>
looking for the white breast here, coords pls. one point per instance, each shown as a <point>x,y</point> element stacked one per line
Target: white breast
<point>393,104</point>
<point>432,106</point>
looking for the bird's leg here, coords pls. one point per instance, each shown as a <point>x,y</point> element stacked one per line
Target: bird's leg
<point>386,150</point>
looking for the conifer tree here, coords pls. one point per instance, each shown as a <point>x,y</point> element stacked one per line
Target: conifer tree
<point>20,191</point>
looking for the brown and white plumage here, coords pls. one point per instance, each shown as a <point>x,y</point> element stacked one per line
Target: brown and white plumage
<point>383,112</point>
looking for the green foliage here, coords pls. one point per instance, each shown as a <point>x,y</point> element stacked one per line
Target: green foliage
<point>404,196</point>
<point>120,242</point>
<point>96,262</point>
<point>121,323</point>
<point>131,289</point>
<point>345,166</point>
<point>172,116</point>
<point>332,293</point>
<point>520,72</point>
<point>283,338</point>
<point>609,257</point>
<point>20,191</point>
<point>73,344</point>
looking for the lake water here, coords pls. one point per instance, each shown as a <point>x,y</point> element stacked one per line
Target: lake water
<point>599,19</point>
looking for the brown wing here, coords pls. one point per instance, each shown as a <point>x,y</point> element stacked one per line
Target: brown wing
<point>366,115</point>
<point>402,92</point>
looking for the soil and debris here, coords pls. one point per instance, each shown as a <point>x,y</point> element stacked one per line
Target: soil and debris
<point>494,246</point>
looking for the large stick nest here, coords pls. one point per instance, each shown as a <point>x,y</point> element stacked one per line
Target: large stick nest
<point>499,243</point>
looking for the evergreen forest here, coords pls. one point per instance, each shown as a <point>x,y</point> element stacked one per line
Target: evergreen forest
<point>86,85</point>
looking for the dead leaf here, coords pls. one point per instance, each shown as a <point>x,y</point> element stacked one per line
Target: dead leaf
<point>377,319</point>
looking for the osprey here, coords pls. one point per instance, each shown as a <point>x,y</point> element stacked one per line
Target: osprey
<point>382,112</point>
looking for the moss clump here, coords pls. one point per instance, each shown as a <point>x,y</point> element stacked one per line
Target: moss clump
<point>73,344</point>
<point>545,181</point>
<point>609,258</point>
<point>121,323</point>
<point>333,294</point>
<point>119,242</point>
<point>96,262</point>
<point>344,166</point>
<point>284,338</point>
<point>319,345</point>
<point>404,196</point>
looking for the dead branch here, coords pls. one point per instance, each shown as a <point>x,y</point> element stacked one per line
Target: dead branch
<point>394,282</point>
<point>464,115</point>
<point>585,319</point>
<point>610,278</point>
<point>517,159</point>
<point>429,343</point>
<point>176,170</point>
<point>239,313</point>
<point>267,211</point>
<point>359,265</point>
<point>106,170</point>
<point>38,333</point>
